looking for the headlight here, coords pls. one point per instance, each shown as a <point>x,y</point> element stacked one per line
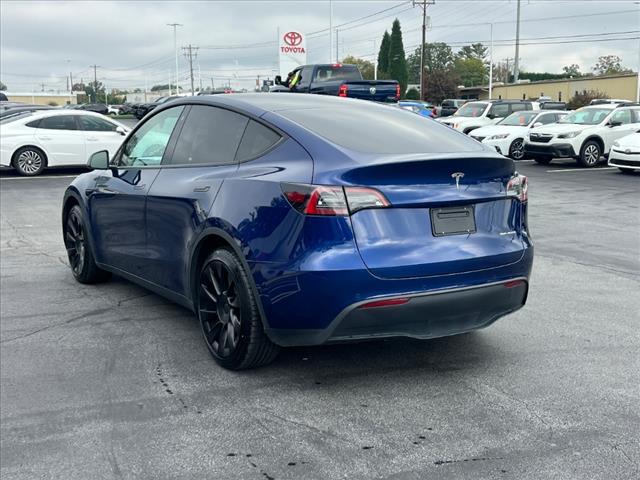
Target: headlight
<point>498,137</point>
<point>455,125</point>
<point>570,134</point>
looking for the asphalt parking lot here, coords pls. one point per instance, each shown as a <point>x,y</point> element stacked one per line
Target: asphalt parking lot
<point>110,381</point>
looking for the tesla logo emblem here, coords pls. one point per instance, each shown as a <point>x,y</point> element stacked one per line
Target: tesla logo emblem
<point>372,90</point>
<point>457,176</point>
<point>292,39</point>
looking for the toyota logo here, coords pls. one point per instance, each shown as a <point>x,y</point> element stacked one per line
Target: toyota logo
<point>292,38</point>
<point>372,90</point>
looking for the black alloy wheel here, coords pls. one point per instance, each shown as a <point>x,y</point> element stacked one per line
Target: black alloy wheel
<point>229,316</point>
<point>81,261</point>
<point>516,150</point>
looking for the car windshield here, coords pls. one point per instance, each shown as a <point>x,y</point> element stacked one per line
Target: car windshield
<point>586,116</point>
<point>518,119</point>
<point>472,109</point>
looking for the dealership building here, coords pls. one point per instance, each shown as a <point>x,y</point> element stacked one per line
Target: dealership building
<point>614,86</point>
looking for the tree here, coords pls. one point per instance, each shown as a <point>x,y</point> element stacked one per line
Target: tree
<point>412,94</point>
<point>165,86</point>
<point>572,70</point>
<point>383,56</point>
<point>470,71</point>
<point>365,66</point>
<point>609,65</point>
<point>584,98</point>
<point>3,87</point>
<point>475,51</point>
<point>440,84</point>
<point>437,56</point>
<point>397,60</point>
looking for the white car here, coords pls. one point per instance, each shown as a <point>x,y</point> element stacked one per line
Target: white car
<point>507,136</point>
<point>478,114</point>
<point>585,134</point>
<point>53,138</point>
<point>113,110</point>
<point>625,153</point>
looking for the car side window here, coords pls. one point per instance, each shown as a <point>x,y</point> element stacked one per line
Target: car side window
<point>623,116</point>
<point>146,145</point>
<point>210,136</point>
<point>500,110</point>
<point>58,122</point>
<point>256,140</point>
<point>518,107</point>
<point>93,124</point>
<point>305,78</point>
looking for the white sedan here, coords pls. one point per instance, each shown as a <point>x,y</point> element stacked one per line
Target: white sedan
<point>507,136</point>
<point>625,153</point>
<point>54,138</point>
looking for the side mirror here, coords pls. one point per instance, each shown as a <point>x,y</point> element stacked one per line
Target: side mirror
<point>99,160</point>
<point>278,80</point>
<point>615,124</point>
<point>121,131</point>
<point>537,124</point>
<point>491,116</point>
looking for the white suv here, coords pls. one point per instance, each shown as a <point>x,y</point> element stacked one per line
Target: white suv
<point>478,114</point>
<point>585,134</point>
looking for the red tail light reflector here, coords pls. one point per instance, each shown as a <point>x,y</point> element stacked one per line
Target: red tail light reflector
<point>398,91</point>
<point>385,303</point>
<point>518,186</point>
<point>332,200</point>
<point>343,90</point>
<point>513,283</point>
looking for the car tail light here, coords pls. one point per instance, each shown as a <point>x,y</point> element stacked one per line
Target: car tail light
<point>518,186</point>
<point>344,89</point>
<point>398,91</point>
<point>332,200</point>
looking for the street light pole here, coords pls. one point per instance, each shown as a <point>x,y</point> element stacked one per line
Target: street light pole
<point>175,48</point>
<point>491,64</point>
<point>516,60</point>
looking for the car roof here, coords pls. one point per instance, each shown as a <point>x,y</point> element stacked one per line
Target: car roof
<point>47,113</point>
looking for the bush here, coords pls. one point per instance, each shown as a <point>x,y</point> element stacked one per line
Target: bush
<point>583,98</point>
<point>52,104</point>
<point>412,94</point>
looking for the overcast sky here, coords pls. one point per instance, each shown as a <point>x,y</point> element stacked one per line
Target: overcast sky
<point>40,42</point>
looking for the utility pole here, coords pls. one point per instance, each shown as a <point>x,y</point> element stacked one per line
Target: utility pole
<point>337,55</point>
<point>516,58</point>
<point>423,4</point>
<point>212,87</point>
<point>94,98</point>
<point>330,31</point>
<point>191,52</point>
<point>175,48</point>
<point>491,64</point>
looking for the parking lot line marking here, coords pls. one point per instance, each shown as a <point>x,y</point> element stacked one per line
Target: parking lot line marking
<point>34,178</point>
<point>581,169</point>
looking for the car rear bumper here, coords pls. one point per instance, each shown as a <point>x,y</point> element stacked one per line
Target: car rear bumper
<point>422,315</point>
<point>556,150</point>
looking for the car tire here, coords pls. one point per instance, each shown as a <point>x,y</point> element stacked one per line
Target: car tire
<point>29,161</point>
<point>76,241</point>
<point>590,154</point>
<point>229,316</point>
<point>516,150</point>
<point>543,160</point>
<point>628,171</point>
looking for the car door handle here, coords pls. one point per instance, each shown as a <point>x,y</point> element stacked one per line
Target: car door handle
<point>92,139</point>
<point>44,138</point>
<point>203,188</point>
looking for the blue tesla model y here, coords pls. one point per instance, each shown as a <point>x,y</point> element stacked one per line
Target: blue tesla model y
<point>296,219</point>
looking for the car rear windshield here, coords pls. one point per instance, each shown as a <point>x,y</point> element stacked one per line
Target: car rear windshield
<point>518,119</point>
<point>372,128</point>
<point>327,73</point>
<point>472,109</point>
<point>586,116</point>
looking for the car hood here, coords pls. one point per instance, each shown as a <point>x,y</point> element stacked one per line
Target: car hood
<point>630,141</point>
<point>558,128</point>
<point>490,130</point>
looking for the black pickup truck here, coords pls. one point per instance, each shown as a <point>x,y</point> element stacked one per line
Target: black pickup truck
<point>337,79</point>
